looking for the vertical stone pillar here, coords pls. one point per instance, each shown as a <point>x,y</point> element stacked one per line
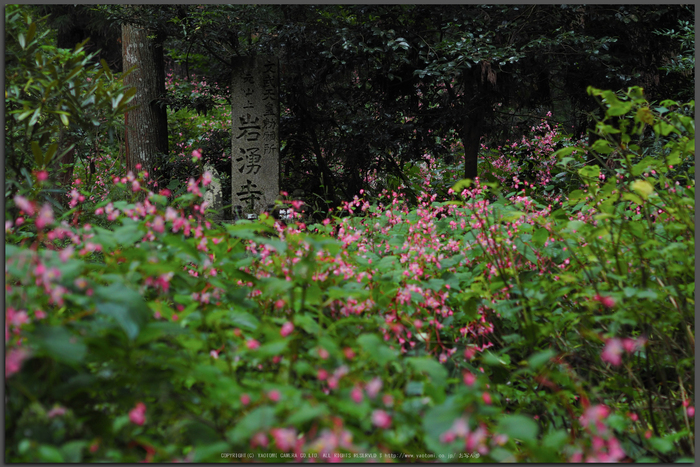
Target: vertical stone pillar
<point>255,138</point>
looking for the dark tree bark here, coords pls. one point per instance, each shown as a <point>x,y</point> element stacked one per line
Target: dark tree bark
<point>471,138</point>
<point>146,132</point>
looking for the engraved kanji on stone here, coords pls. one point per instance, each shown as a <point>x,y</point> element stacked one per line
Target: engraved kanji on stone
<point>249,194</point>
<point>249,127</point>
<point>270,109</point>
<point>249,161</point>
<point>270,148</point>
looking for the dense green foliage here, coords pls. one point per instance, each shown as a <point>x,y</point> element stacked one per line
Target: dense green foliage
<point>543,313</point>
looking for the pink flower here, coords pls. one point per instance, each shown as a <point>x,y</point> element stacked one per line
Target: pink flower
<point>56,411</point>
<point>632,345</point>
<point>595,414</point>
<point>245,399</point>
<point>24,204</point>
<point>373,387</point>
<point>287,329</point>
<point>285,438</point>
<point>206,178</point>
<point>45,216</point>
<point>323,353</point>
<point>607,302</point>
<point>137,415</point>
<point>612,353</point>
<point>691,411</point>
<point>252,344</point>
<point>274,395</point>
<point>322,374</point>
<point>42,175</point>
<point>469,378</point>
<point>196,154</point>
<point>259,439</point>
<point>356,394</point>
<point>13,361</point>
<point>381,419</point>
<point>487,398</point>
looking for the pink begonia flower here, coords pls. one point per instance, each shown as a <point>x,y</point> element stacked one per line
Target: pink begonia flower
<point>469,378</point>
<point>137,415</point>
<point>259,439</point>
<point>287,329</point>
<point>285,438</point>
<point>632,345</point>
<point>691,411</point>
<point>45,216</point>
<point>197,154</point>
<point>595,414</point>
<point>274,395</point>
<point>42,175</point>
<point>373,387</point>
<point>612,353</point>
<point>14,359</point>
<point>56,411</point>
<point>322,374</point>
<point>206,178</point>
<point>381,419</point>
<point>487,398</point>
<point>245,399</point>
<point>24,204</point>
<point>356,394</point>
<point>252,344</point>
<point>607,301</point>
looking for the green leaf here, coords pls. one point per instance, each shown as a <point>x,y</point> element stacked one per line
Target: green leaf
<point>259,419</point>
<point>38,156</point>
<point>243,319</point>
<point>306,322</point>
<point>50,454</point>
<point>540,358</point>
<point>377,350</point>
<point>73,451</point>
<point>306,412</point>
<point>59,344</point>
<point>119,423</point>
<point>519,427</point>
<point>50,153</point>
<point>437,421</point>
<point>436,372</point>
<point>642,188</point>
<point>589,171</point>
<point>125,305</point>
<point>540,236</point>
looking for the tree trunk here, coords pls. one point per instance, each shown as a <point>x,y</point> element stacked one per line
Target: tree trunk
<point>146,134</point>
<point>471,139</point>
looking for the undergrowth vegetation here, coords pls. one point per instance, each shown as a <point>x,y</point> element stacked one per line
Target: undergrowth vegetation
<point>546,317</point>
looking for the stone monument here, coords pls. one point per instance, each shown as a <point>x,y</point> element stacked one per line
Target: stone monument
<point>212,195</point>
<point>255,140</point>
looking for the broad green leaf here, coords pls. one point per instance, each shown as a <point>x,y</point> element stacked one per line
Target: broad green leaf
<point>540,358</point>
<point>58,343</point>
<point>518,427</point>
<point>377,350</point>
<point>436,372</point>
<point>259,419</point>
<point>642,188</point>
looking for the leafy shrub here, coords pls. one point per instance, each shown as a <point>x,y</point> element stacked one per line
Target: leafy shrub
<point>484,326</point>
